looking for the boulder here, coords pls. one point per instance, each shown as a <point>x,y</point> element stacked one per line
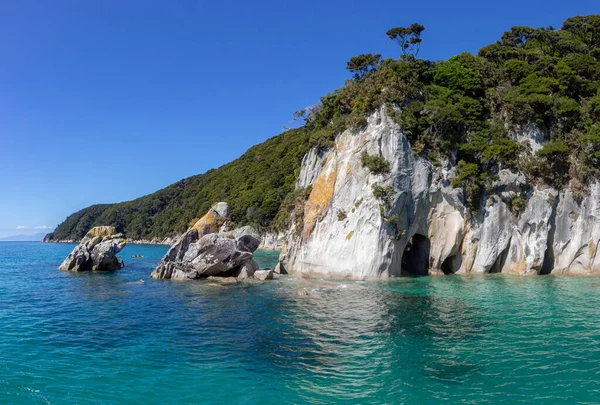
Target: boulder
<point>247,270</point>
<point>263,275</point>
<point>198,255</point>
<point>97,251</point>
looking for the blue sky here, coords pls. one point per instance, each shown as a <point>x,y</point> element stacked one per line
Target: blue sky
<point>106,101</point>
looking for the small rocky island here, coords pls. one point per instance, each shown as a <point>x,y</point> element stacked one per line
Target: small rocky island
<point>97,251</point>
<point>212,248</point>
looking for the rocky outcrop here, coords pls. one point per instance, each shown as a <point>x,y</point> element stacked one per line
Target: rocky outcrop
<point>202,253</point>
<point>360,224</point>
<point>97,251</point>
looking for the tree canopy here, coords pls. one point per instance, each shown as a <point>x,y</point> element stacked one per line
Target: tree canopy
<point>361,64</point>
<point>409,38</point>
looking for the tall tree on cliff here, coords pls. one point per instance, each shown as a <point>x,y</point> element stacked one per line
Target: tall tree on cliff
<point>409,38</point>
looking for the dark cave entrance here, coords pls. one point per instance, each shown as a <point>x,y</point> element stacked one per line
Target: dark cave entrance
<point>415,259</point>
<point>500,260</point>
<point>452,264</point>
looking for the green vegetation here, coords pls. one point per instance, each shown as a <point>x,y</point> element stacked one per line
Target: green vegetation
<point>466,108</point>
<point>517,204</point>
<point>362,64</point>
<point>254,185</point>
<point>384,194</point>
<point>409,38</point>
<point>462,110</point>
<point>292,207</point>
<point>375,163</point>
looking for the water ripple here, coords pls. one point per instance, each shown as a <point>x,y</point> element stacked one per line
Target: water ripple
<point>109,338</point>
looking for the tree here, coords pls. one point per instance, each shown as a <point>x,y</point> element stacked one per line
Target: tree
<point>409,38</point>
<point>307,113</point>
<point>546,40</point>
<point>361,64</point>
<point>586,29</point>
<point>517,36</point>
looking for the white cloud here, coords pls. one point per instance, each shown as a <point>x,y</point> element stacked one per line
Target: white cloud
<point>39,227</point>
<point>22,227</point>
<point>42,227</point>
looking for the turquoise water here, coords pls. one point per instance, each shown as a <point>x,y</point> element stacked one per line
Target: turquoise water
<point>111,339</point>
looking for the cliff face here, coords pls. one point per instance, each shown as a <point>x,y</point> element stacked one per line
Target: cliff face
<point>363,225</point>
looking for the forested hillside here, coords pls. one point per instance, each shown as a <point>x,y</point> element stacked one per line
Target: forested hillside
<point>254,186</point>
<point>466,111</point>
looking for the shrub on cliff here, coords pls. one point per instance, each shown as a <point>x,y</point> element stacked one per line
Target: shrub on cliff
<point>375,163</point>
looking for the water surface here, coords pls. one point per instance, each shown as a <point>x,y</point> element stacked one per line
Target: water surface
<point>94,338</point>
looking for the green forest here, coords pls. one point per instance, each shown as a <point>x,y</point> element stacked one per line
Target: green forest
<point>463,110</point>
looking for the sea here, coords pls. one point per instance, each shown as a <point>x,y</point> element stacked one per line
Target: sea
<point>123,338</point>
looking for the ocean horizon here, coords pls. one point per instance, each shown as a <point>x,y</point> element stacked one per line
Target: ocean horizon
<point>121,337</point>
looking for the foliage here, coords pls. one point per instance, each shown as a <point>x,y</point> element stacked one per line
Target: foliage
<point>292,208</point>
<point>78,224</point>
<point>254,186</point>
<point>517,204</point>
<point>472,179</point>
<point>341,215</point>
<point>362,64</point>
<point>383,193</point>
<point>375,163</point>
<point>409,38</point>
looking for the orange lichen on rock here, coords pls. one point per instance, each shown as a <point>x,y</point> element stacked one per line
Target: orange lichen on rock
<point>104,231</point>
<point>349,236</point>
<point>592,249</point>
<point>319,199</point>
<point>339,144</point>
<point>209,223</point>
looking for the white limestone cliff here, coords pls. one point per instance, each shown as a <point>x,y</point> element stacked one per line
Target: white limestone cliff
<point>424,227</point>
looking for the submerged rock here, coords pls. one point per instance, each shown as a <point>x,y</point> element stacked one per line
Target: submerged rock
<point>97,251</point>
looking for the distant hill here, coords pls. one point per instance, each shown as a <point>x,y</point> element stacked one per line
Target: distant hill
<point>254,186</point>
<point>24,238</point>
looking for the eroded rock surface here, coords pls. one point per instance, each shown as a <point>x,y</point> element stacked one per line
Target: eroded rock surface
<point>199,253</point>
<point>97,251</point>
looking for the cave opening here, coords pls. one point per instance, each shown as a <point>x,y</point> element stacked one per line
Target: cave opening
<point>452,264</point>
<point>415,260</point>
<point>500,260</point>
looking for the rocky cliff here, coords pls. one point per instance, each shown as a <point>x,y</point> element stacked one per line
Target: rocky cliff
<point>362,224</point>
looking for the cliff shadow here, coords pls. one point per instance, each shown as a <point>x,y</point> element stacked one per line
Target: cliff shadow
<point>500,260</point>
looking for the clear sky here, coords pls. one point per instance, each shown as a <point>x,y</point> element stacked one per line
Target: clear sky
<point>106,101</point>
